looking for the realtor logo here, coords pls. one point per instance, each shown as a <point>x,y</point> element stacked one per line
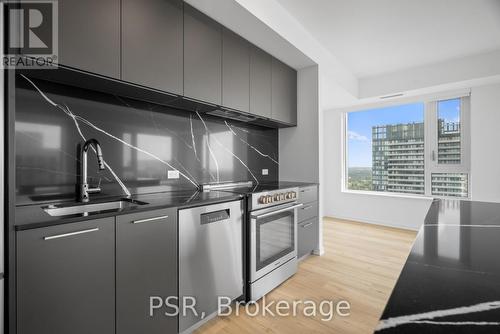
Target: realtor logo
<point>31,33</point>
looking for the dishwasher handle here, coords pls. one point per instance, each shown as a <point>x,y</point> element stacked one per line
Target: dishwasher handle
<point>215,216</point>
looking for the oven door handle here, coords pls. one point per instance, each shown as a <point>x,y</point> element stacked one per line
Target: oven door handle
<point>264,215</point>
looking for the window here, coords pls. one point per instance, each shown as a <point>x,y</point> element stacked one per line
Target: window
<point>417,148</point>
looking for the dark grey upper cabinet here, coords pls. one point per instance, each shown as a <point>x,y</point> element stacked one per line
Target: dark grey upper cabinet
<point>66,279</point>
<point>146,265</point>
<point>284,93</point>
<point>152,42</point>
<point>235,71</point>
<point>202,57</point>
<point>89,35</point>
<point>260,82</point>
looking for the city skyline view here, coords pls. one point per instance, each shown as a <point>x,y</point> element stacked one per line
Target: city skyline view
<point>386,149</point>
<point>361,123</point>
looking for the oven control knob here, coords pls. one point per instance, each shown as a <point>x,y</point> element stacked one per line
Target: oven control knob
<point>270,199</point>
<point>263,200</point>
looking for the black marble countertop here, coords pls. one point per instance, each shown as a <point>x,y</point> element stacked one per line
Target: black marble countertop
<point>33,216</point>
<point>451,280</point>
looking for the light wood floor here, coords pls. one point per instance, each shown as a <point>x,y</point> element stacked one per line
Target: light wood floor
<point>360,265</point>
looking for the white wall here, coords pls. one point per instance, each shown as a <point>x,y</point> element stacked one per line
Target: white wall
<point>299,147</point>
<point>375,209</point>
<point>485,142</point>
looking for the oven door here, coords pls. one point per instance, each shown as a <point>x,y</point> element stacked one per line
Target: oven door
<point>273,239</point>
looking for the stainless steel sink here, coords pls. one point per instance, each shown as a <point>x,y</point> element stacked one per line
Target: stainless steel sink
<point>85,209</point>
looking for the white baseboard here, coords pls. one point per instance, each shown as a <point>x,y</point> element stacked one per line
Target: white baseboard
<point>320,251</point>
<point>372,222</point>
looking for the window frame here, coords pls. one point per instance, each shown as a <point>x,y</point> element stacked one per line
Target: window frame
<point>430,142</point>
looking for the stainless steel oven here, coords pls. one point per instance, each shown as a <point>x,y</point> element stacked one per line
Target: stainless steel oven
<point>273,239</point>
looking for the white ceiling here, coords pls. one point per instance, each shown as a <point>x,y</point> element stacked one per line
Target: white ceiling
<point>374,37</point>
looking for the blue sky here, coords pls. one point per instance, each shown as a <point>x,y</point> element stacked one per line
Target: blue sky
<point>359,125</point>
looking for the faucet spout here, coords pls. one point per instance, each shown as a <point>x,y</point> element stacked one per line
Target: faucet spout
<point>84,189</point>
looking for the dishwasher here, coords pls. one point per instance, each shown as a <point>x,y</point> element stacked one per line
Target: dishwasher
<point>210,259</point>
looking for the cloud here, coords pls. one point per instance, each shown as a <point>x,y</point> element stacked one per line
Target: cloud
<point>356,136</point>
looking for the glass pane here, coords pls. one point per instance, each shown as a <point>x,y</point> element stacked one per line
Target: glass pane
<point>386,149</point>
<point>275,238</point>
<point>450,184</point>
<point>449,132</point>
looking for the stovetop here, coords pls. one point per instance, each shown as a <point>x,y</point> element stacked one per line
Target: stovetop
<point>264,187</point>
<point>263,195</point>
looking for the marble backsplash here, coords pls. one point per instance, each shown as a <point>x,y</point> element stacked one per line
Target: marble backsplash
<point>141,143</point>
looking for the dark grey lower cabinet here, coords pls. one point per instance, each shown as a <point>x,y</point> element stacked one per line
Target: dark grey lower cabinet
<point>308,222</point>
<point>146,267</point>
<point>66,279</point>
<point>307,236</point>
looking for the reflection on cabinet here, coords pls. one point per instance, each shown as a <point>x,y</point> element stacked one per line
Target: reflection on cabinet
<point>89,35</point>
<point>235,71</point>
<point>202,57</point>
<point>260,82</point>
<point>152,42</point>
<point>66,278</point>
<point>146,266</point>
<point>284,93</point>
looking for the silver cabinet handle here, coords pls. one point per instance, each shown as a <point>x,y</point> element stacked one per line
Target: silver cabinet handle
<point>305,190</point>
<point>70,234</point>
<point>307,207</point>
<point>264,215</point>
<point>306,225</point>
<point>149,220</point>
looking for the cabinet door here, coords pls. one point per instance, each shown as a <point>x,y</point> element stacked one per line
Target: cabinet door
<point>202,57</point>
<point>146,266</point>
<point>66,279</point>
<point>89,35</point>
<point>307,236</point>
<point>260,82</point>
<point>284,93</point>
<point>152,41</point>
<point>235,71</point>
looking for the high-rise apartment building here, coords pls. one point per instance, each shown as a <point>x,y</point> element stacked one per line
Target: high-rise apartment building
<point>449,184</point>
<point>398,159</point>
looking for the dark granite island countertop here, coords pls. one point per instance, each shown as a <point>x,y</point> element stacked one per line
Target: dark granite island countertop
<point>451,280</point>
